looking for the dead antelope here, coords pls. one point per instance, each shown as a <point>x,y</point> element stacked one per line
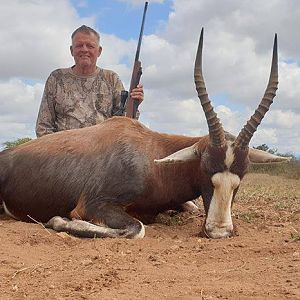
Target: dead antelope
<point>90,182</point>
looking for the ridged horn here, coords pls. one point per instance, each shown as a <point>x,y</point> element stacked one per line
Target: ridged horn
<point>215,128</point>
<point>244,137</point>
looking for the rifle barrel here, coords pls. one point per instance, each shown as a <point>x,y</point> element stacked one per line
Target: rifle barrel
<point>137,54</point>
<point>131,104</point>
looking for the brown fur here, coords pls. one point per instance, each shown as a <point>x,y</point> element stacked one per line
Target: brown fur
<point>79,212</point>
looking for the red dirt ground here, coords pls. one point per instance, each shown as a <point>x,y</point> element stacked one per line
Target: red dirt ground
<point>171,262</point>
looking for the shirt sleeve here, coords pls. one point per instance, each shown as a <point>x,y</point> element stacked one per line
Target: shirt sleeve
<point>46,120</point>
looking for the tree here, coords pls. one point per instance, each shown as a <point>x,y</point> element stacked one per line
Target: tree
<point>8,145</point>
<point>266,148</point>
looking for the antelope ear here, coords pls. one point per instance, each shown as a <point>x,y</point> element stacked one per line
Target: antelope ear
<point>186,154</point>
<point>259,157</point>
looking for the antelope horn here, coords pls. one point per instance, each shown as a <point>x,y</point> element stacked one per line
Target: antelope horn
<point>216,132</point>
<point>244,137</point>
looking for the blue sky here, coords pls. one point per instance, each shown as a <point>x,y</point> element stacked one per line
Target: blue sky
<point>237,55</point>
<point>123,19</point>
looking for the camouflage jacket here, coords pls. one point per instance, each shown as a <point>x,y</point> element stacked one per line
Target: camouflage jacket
<point>72,101</point>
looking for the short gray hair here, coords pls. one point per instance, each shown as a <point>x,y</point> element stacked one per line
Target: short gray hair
<point>87,30</point>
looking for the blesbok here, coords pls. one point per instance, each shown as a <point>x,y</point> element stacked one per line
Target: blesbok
<point>90,182</point>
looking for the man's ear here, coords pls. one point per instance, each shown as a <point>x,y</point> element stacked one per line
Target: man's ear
<point>100,51</point>
<point>71,50</point>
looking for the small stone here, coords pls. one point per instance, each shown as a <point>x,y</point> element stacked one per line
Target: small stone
<point>62,234</point>
<point>15,288</point>
<point>174,247</point>
<point>87,262</point>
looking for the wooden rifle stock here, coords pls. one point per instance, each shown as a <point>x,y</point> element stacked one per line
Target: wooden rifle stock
<point>131,104</point>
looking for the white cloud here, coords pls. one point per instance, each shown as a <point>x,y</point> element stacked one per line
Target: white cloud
<point>284,119</point>
<point>288,96</point>
<point>114,52</point>
<point>230,120</point>
<point>19,105</point>
<point>34,37</point>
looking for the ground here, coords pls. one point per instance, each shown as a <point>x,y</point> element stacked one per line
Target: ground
<point>172,261</point>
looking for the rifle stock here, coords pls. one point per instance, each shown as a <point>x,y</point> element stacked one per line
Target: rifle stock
<point>131,104</point>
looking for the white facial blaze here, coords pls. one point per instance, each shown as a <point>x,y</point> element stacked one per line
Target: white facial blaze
<point>229,158</point>
<point>218,222</point>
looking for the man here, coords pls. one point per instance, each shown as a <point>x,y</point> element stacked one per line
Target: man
<point>84,94</point>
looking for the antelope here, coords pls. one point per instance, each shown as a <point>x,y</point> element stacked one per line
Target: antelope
<point>101,180</point>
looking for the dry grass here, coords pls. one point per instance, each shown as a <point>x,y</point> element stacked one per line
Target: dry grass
<point>269,200</point>
<point>288,170</point>
<point>295,236</point>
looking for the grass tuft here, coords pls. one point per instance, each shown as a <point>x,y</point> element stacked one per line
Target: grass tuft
<point>295,236</point>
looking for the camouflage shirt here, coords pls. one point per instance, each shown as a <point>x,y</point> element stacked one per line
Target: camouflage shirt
<point>72,101</point>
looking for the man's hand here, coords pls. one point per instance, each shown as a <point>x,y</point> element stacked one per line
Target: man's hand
<point>138,93</point>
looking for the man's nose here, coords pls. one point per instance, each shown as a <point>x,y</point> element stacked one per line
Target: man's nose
<point>84,47</point>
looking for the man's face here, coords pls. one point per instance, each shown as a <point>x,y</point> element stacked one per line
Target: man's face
<point>85,49</point>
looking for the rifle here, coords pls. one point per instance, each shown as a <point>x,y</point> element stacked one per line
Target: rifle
<point>131,104</point>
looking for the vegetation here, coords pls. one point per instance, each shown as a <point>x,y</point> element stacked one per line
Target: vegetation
<point>295,236</point>
<point>265,147</point>
<point>289,170</point>
<point>8,145</point>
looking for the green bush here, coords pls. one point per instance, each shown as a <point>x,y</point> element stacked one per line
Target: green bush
<point>8,145</point>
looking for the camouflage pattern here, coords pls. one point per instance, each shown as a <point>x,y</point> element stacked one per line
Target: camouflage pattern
<point>72,101</point>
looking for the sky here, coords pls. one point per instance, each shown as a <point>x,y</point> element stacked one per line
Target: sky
<point>238,39</point>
